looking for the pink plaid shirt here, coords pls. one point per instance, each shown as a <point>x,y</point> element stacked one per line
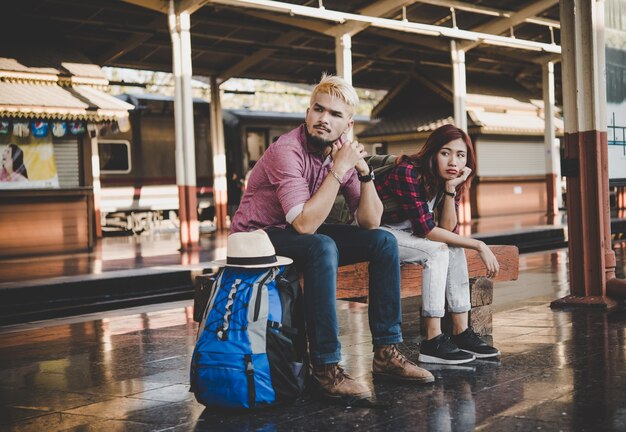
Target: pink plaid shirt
<point>283,180</point>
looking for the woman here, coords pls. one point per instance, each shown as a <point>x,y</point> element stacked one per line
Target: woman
<point>428,186</point>
<point>13,168</point>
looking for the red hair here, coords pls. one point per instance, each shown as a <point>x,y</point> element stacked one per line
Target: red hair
<point>425,160</point>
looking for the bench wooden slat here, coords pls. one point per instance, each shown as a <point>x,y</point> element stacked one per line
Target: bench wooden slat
<point>352,280</point>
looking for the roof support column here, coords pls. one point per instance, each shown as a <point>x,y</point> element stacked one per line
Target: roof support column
<point>343,62</point>
<point>458,83</point>
<point>179,25</point>
<point>97,185</point>
<point>220,196</point>
<point>460,115</point>
<point>591,259</point>
<point>553,154</point>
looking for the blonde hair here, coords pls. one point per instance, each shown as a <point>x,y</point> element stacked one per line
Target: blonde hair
<point>337,87</point>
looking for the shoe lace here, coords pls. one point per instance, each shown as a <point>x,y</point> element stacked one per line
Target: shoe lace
<point>339,375</point>
<point>447,344</point>
<point>473,337</point>
<point>396,354</point>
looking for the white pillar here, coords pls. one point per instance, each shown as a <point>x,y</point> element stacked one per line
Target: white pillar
<point>343,62</point>
<point>460,116</point>
<point>178,116</point>
<point>218,150</point>
<point>458,83</point>
<point>343,56</point>
<point>187,100</point>
<point>97,187</point>
<point>179,25</point>
<point>552,148</point>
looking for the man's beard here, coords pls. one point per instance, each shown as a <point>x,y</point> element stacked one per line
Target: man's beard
<point>319,143</point>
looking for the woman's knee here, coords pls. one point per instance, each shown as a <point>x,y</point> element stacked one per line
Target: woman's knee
<point>440,251</point>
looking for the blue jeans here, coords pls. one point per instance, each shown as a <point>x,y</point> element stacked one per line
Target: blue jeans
<point>318,256</point>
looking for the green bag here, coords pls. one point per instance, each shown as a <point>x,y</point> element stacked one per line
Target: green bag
<point>381,165</point>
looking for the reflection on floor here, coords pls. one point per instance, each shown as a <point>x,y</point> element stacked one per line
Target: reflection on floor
<point>115,253</point>
<point>127,370</point>
<point>161,249</point>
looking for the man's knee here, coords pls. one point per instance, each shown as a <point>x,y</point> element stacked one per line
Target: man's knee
<point>383,240</point>
<point>322,246</point>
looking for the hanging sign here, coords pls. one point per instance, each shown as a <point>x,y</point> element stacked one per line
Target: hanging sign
<point>40,128</point>
<point>59,129</point>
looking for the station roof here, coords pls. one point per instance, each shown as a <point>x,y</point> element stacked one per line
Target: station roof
<point>494,106</point>
<point>54,83</point>
<point>232,41</point>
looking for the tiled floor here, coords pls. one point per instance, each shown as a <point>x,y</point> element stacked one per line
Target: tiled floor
<point>127,370</point>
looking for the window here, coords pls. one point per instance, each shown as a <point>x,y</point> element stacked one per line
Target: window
<point>114,156</point>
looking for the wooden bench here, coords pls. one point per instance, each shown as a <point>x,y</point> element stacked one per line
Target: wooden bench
<point>352,283</point>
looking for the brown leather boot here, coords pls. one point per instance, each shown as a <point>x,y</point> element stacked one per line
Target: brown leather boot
<point>391,363</point>
<point>335,383</point>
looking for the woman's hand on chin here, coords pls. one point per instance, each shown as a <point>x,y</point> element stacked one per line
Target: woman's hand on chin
<point>464,173</point>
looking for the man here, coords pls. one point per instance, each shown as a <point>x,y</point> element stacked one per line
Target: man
<point>290,193</point>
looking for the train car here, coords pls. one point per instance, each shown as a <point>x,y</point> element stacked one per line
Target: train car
<point>137,169</point>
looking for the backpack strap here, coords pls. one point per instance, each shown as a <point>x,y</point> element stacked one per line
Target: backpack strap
<point>250,378</point>
<point>214,289</point>
<point>282,328</point>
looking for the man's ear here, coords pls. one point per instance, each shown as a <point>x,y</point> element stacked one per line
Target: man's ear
<point>349,126</point>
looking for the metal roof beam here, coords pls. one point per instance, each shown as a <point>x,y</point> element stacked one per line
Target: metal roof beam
<point>397,25</point>
<point>257,57</point>
<point>128,44</point>
<point>304,24</point>
<point>498,26</point>
<point>432,43</point>
<point>351,28</point>
<point>380,53</point>
<point>189,6</point>
<point>484,10</point>
<point>377,9</point>
<point>155,5</point>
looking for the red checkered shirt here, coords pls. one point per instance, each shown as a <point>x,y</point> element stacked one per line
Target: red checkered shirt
<point>402,183</point>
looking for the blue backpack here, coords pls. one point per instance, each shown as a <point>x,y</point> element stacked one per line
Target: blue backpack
<point>251,345</point>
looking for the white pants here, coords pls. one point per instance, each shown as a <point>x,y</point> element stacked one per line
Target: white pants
<point>445,274</point>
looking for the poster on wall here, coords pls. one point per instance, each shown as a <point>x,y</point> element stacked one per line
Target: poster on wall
<point>27,162</point>
<point>615,34</point>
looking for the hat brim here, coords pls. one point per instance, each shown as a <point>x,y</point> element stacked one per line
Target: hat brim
<point>280,261</point>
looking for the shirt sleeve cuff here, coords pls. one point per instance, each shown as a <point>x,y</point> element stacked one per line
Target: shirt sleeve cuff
<point>293,213</point>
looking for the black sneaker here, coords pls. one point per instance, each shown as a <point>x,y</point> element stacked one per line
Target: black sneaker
<point>442,350</point>
<point>470,342</point>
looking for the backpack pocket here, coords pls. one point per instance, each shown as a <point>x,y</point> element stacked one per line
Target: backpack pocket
<point>285,372</point>
<point>233,380</point>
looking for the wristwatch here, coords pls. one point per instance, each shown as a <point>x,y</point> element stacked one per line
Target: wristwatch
<point>452,194</point>
<point>367,177</point>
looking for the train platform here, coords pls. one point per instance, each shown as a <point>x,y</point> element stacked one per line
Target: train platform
<point>130,270</point>
<point>127,370</point>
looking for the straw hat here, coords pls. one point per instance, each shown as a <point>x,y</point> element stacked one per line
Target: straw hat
<point>251,250</point>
